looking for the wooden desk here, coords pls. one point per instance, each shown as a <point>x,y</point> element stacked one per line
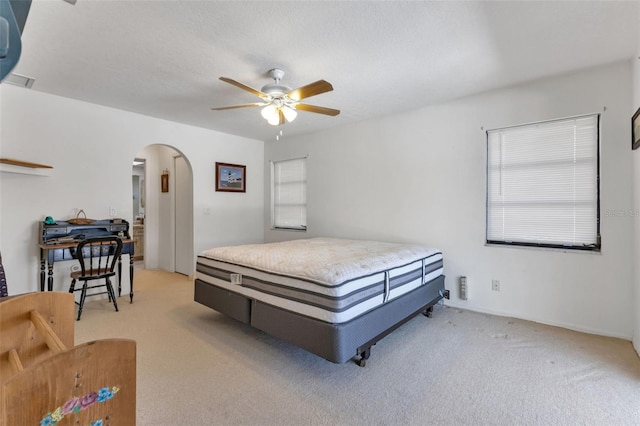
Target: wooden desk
<point>51,253</point>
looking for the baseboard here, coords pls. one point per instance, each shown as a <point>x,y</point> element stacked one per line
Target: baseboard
<point>568,326</point>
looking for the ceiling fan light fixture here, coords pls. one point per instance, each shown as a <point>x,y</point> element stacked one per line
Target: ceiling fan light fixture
<point>290,114</point>
<point>274,121</point>
<point>270,113</point>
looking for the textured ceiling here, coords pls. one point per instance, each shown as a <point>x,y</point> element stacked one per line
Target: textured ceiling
<point>163,58</point>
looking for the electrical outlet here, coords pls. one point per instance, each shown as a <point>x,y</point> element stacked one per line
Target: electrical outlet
<point>113,212</point>
<point>463,288</point>
<point>495,285</point>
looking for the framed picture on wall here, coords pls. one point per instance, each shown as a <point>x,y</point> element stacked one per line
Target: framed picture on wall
<point>635,130</point>
<point>164,181</point>
<point>231,177</point>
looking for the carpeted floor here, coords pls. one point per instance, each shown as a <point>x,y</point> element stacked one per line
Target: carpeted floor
<point>197,367</point>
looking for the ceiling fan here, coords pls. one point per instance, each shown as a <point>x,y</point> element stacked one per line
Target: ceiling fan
<point>280,102</point>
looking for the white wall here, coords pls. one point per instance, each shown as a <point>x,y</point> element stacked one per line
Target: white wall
<point>420,177</point>
<point>91,149</point>
<point>636,205</point>
<point>160,219</point>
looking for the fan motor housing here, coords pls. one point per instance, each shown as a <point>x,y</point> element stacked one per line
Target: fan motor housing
<point>274,89</point>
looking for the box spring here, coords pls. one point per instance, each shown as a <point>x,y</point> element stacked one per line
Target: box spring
<point>335,342</point>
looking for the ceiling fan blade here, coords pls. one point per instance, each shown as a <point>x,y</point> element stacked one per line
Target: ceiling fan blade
<point>255,104</point>
<point>318,109</point>
<point>309,90</point>
<point>244,87</point>
<point>281,117</point>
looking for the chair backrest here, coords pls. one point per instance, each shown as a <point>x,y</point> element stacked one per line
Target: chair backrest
<point>98,256</point>
<point>3,280</point>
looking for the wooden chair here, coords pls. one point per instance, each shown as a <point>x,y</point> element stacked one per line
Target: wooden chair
<point>98,257</point>
<point>3,280</point>
<point>45,379</point>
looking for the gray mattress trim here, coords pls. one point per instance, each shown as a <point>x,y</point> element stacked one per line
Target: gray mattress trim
<point>428,261</point>
<point>333,304</point>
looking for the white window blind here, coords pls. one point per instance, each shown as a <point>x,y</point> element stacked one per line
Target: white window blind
<point>542,184</point>
<point>289,194</point>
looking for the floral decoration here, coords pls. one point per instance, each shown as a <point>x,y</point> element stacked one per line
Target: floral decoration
<point>77,404</point>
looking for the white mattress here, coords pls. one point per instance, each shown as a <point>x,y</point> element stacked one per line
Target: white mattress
<point>333,280</point>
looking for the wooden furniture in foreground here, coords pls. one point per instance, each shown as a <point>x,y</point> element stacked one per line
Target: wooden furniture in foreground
<point>20,335</point>
<point>44,378</point>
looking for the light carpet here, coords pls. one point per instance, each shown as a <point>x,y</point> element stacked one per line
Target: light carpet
<point>198,367</point>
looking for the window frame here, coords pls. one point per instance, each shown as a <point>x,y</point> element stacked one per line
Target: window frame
<point>274,204</point>
<point>594,247</point>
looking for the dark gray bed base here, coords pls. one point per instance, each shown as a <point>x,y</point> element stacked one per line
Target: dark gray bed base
<point>335,342</point>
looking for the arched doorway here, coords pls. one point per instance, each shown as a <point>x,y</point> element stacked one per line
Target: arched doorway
<point>166,193</point>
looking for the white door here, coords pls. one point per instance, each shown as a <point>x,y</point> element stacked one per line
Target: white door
<point>184,217</point>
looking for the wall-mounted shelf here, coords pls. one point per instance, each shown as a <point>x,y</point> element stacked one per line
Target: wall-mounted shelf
<point>7,165</point>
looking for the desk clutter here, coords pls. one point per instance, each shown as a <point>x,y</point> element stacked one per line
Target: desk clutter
<point>74,231</point>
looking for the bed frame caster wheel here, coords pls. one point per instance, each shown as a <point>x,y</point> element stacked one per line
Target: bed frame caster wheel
<point>428,312</point>
<point>364,356</point>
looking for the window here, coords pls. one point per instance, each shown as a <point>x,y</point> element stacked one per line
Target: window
<point>289,194</point>
<point>543,184</point>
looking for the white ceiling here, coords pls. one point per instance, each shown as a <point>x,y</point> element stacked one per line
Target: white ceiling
<point>163,58</point>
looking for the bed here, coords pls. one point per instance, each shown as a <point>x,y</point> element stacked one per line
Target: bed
<point>333,297</point>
